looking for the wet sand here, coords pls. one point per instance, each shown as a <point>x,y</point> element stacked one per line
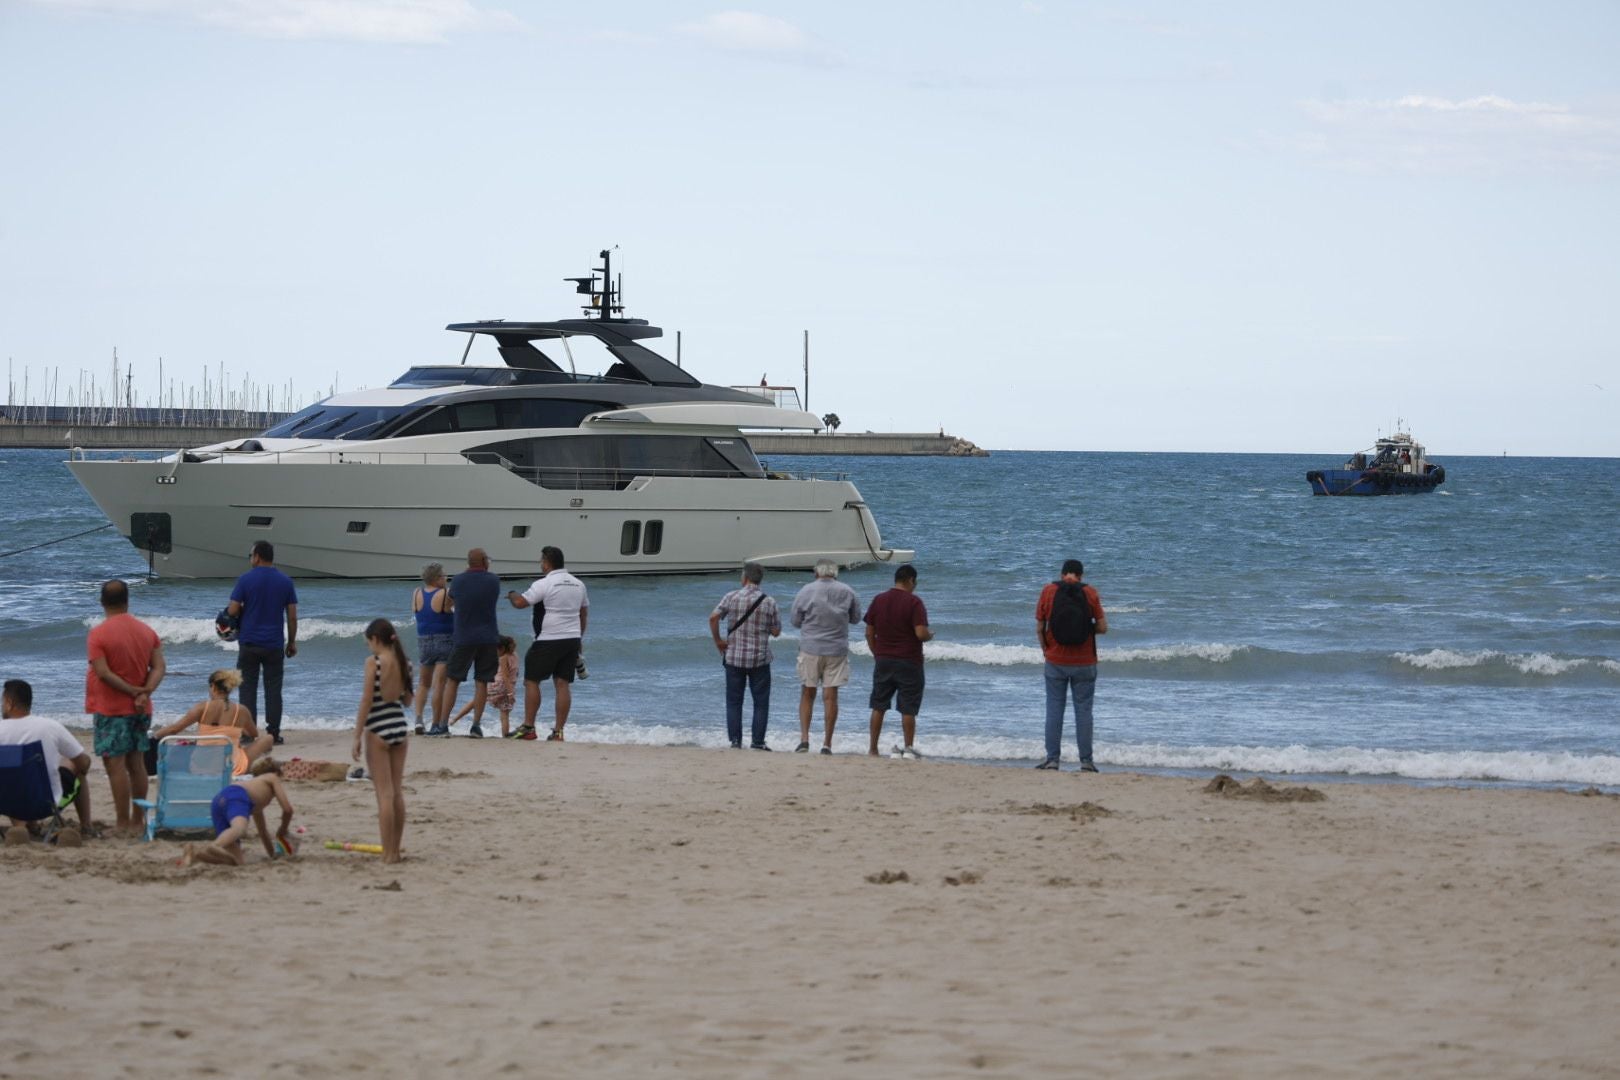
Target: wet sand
<point>582,910</point>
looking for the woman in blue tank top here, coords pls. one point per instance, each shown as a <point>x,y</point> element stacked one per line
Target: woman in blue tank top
<point>434,623</point>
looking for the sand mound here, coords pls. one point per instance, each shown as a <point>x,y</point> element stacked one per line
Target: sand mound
<point>446,774</point>
<point>1260,791</point>
<point>888,877</point>
<point>1081,812</point>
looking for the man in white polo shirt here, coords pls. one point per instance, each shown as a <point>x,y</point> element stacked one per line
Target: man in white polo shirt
<point>560,613</point>
<point>65,759</point>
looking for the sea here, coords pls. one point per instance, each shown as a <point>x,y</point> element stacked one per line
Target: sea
<point>1469,636</point>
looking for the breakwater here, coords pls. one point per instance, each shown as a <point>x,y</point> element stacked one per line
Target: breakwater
<point>877,443</point>
<point>33,436</point>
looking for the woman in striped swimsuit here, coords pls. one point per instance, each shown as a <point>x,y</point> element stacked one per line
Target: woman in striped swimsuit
<point>381,729</point>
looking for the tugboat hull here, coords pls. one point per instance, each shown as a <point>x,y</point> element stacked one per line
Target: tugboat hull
<point>1374,481</point>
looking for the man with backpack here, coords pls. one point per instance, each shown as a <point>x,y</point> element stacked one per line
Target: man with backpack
<point>1068,618</point>
<point>752,619</point>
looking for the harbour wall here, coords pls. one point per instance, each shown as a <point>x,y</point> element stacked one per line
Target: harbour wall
<point>37,436</point>
<point>33,436</point>
<point>894,444</point>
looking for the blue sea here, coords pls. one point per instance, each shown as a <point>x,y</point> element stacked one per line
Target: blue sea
<point>1470,635</point>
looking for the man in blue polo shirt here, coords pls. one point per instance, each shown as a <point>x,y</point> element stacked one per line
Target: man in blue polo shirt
<point>262,598</point>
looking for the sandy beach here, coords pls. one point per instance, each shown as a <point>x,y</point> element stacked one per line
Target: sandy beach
<point>584,910</point>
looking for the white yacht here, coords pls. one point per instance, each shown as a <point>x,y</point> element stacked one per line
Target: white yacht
<point>639,470</point>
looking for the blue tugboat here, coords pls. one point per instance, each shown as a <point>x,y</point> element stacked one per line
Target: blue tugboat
<point>1396,466</point>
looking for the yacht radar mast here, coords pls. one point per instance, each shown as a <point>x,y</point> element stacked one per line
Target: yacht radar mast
<point>607,303</point>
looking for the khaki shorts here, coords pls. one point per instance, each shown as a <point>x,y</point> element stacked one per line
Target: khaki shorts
<point>823,670</point>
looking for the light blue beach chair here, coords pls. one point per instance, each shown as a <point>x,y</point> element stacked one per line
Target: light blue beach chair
<point>191,771</point>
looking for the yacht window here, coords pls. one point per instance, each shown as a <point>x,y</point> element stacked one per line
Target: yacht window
<point>256,521</point>
<point>449,530</point>
<point>476,416</point>
<point>359,526</point>
<point>654,541</point>
<point>520,532</point>
<point>740,455</point>
<point>611,462</point>
<point>630,538</point>
<point>435,421</point>
<point>547,412</point>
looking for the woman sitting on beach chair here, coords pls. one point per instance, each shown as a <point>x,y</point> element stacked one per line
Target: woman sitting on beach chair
<point>219,715</point>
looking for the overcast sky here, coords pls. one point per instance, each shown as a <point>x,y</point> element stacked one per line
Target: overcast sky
<point>1159,226</point>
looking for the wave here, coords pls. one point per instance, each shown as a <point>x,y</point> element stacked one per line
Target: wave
<point>987,654</point>
<point>1539,663</point>
<point>178,630</point>
<point>1518,766</point>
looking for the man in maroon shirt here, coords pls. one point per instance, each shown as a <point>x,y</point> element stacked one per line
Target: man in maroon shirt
<point>896,627</point>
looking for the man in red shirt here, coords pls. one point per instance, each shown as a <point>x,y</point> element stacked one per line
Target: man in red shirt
<point>896,627</point>
<point>1068,636</point>
<point>126,665</point>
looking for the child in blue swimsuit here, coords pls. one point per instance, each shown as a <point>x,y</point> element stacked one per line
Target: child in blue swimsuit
<point>233,806</point>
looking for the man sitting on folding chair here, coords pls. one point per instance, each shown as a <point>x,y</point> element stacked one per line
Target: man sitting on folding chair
<point>66,761</point>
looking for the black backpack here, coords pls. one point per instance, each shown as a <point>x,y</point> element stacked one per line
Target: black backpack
<point>1072,621</point>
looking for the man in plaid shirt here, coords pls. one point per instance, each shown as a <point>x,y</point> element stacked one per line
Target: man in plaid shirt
<point>745,649</point>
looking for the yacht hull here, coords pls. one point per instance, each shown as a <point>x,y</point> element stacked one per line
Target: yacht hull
<point>382,518</point>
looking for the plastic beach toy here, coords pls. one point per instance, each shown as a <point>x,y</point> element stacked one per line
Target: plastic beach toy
<point>369,849</point>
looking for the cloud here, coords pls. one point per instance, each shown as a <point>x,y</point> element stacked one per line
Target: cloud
<point>762,35</point>
<point>1486,133</point>
<point>394,22</point>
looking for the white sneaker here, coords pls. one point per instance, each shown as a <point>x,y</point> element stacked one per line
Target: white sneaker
<point>910,753</point>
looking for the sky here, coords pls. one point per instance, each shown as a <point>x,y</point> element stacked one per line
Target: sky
<point>1039,225</point>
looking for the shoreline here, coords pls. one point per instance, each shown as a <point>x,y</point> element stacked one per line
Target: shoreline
<point>584,909</point>
<point>852,745</point>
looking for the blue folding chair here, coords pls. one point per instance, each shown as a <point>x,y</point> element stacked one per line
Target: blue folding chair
<point>191,771</point>
<point>25,788</point>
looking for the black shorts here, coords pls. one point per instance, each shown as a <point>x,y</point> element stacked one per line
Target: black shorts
<point>69,778</point>
<point>551,660</point>
<point>893,677</point>
<point>485,661</point>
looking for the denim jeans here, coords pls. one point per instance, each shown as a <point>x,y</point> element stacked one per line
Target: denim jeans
<point>1061,680</point>
<point>252,658</point>
<point>758,682</point>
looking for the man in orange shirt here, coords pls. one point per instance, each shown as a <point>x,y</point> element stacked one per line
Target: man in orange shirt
<point>1068,618</point>
<point>126,665</point>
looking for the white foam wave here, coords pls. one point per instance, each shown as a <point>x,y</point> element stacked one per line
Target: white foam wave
<point>1214,652</point>
<point>1525,663</point>
<point>1516,766</point>
<point>983,654</point>
<point>1531,767</point>
<point>1125,609</point>
<point>178,630</point>
<point>989,655</point>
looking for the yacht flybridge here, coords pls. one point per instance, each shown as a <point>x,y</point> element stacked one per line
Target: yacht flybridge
<point>642,469</point>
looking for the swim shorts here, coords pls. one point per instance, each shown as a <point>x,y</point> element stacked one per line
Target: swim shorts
<point>120,735</point>
<point>231,803</point>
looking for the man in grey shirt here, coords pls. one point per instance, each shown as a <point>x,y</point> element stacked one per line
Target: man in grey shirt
<point>823,611</point>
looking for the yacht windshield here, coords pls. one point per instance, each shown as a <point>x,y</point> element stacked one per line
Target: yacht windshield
<point>329,421</point>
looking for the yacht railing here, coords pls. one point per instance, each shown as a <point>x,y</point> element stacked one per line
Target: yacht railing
<point>546,476</point>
